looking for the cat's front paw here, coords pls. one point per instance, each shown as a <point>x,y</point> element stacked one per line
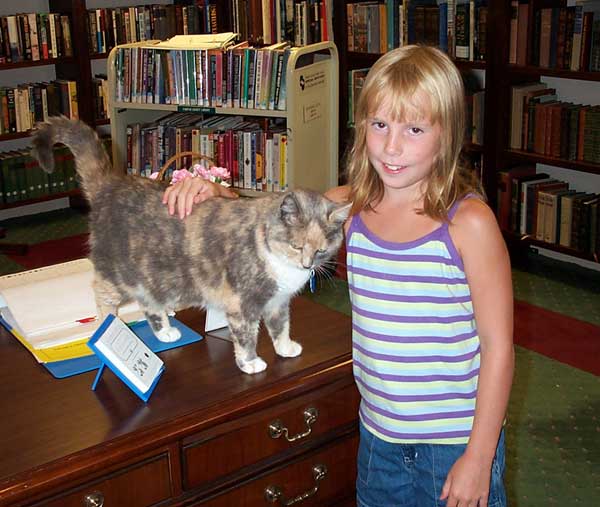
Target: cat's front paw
<point>168,334</point>
<point>255,366</point>
<point>288,348</point>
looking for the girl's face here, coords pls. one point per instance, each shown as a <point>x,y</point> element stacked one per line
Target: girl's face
<point>402,153</point>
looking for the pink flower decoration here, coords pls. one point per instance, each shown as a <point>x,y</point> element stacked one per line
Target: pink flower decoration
<point>200,170</point>
<point>180,175</point>
<point>214,174</point>
<point>220,173</point>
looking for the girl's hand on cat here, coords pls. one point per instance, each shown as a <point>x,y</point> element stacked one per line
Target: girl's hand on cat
<point>182,196</point>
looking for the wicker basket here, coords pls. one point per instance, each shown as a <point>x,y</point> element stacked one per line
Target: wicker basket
<point>195,156</point>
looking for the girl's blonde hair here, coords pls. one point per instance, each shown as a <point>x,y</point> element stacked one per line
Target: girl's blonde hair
<point>394,81</point>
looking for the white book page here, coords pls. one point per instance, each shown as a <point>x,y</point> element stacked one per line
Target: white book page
<point>201,41</point>
<point>46,305</point>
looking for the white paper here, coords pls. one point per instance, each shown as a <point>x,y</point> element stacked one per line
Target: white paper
<point>215,319</point>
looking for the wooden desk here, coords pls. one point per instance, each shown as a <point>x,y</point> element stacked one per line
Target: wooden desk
<point>203,438</point>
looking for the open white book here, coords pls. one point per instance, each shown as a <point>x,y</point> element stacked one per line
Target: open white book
<point>54,305</point>
<point>198,41</point>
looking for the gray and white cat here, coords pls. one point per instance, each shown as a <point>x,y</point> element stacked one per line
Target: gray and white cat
<point>247,257</point>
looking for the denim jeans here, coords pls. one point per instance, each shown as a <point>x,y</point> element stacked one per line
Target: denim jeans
<point>412,475</point>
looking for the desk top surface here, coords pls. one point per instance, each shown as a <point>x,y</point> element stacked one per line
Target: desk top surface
<point>44,419</point>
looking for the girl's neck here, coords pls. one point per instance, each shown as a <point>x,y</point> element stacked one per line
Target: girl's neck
<point>402,199</point>
<point>398,219</point>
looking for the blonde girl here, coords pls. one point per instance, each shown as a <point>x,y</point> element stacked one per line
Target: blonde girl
<point>430,286</point>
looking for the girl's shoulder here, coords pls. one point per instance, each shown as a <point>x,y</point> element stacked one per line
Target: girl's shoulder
<point>472,223</point>
<point>472,211</point>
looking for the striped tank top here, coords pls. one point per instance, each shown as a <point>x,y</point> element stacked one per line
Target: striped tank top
<point>415,343</point>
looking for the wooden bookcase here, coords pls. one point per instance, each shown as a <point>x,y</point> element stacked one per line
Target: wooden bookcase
<point>502,76</point>
<point>75,68</point>
<point>311,116</point>
<point>499,77</point>
<point>79,67</point>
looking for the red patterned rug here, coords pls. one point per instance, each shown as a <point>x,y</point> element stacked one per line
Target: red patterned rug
<point>568,340</point>
<point>53,252</point>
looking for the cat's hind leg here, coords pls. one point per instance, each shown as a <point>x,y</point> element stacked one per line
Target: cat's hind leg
<point>108,298</point>
<point>277,320</point>
<point>245,334</point>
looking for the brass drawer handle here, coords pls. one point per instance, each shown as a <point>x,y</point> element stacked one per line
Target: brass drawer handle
<point>95,499</point>
<point>276,428</point>
<point>274,494</point>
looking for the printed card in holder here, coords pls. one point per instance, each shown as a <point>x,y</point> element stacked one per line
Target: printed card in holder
<point>119,348</point>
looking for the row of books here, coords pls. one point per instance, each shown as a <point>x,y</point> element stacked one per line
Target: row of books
<point>100,94</point>
<point>109,27</point>
<point>458,27</point>
<point>475,114</point>
<point>541,123</point>
<point>300,22</point>
<point>356,80</point>
<point>241,76</point>
<point>21,177</point>
<point>547,209</point>
<point>24,105</point>
<point>254,151</point>
<point>562,37</point>
<point>35,36</point>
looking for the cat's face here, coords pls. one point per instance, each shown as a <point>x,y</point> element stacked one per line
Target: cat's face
<point>309,229</point>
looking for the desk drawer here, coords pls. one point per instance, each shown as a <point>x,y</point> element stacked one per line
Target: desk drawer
<point>322,479</point>
<point>232,446</point>
<point>139,485</point>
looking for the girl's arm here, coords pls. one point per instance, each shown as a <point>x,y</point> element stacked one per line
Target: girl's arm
<point>476,234</point>
<point>182,196</point>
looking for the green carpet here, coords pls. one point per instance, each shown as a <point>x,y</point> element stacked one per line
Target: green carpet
<point>553,423</point>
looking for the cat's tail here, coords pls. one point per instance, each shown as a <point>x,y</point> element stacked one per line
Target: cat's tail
<point>91,159</point>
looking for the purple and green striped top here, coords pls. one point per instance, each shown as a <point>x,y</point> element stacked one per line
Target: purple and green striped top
<point>415,343</point>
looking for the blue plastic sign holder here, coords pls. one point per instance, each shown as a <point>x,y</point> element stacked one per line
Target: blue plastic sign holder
<point>129,358</point>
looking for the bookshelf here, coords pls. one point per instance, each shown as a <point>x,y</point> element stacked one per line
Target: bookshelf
<point>310,116</point>
<point>578,86</point>
<point>14,75</point>
<point>498,76</point>
<point>80,68</point>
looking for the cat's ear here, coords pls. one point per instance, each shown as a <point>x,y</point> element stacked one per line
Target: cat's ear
<point>290,209</point>
<point>340,213</point>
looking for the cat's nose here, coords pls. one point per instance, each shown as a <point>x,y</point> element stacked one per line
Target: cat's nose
<point>308,261</point>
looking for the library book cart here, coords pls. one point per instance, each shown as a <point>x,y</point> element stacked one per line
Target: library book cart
<point>210,435</point>
<point>311,115</point>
